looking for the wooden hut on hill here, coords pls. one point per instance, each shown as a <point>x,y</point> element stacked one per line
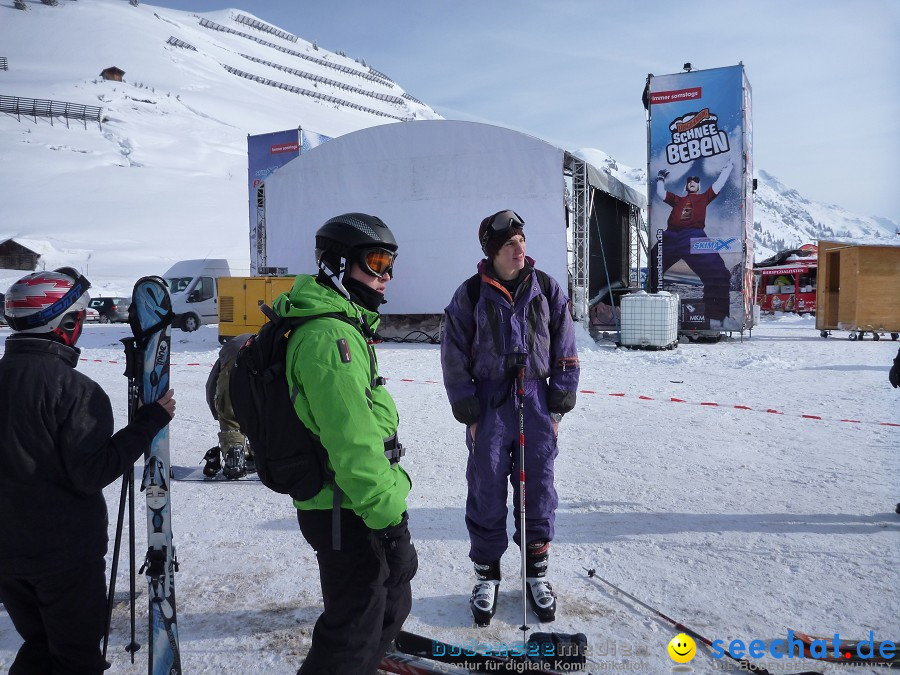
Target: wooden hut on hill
<point>14,256</point>
<point>112,73</point>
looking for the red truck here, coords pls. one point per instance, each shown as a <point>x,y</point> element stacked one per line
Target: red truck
<point>786,282</point>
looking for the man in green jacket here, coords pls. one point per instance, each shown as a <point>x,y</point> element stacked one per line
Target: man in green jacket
<point>366,564</point>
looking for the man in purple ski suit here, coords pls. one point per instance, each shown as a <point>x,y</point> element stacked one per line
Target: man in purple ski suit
<point>507,317</point>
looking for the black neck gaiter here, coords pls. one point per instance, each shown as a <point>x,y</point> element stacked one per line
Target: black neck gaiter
<point>359,293</point>
<point>363,295</point>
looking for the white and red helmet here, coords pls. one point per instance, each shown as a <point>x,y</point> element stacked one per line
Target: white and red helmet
<point>46,302</point>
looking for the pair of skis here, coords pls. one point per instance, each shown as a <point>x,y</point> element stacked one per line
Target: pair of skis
<point>147,368</point>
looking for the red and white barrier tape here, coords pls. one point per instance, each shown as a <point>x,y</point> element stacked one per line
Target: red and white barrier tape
<point>708,404</point>
<point>771,411</point>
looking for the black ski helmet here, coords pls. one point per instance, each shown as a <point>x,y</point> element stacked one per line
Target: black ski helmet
<point>340,239</point>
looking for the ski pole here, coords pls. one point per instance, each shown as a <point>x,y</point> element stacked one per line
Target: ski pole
<point>128,344</point>
<point>745,664</point>
<point>134,645</point>
<point>133,395</point>
<point>520,390</point>
<point>115,563</point>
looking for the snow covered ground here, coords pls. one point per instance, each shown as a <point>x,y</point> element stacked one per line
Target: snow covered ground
<point>739,523</point>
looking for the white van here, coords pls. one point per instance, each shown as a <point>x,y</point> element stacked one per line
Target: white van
<point>194,289</point>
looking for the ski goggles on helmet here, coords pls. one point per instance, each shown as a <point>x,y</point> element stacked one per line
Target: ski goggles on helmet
<point>377,261</point>
<point>501,223</point>
<point>693,179</point>
<point>48,312</point>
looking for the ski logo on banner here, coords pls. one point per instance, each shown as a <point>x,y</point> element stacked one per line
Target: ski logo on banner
<point>707,245</point>
<point>695,135</point>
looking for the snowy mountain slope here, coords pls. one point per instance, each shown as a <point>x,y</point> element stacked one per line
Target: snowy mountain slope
<point>165,178</point>
<point>784,219</point>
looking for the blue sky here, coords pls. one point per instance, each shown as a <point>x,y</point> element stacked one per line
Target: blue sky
<point>826,98</point>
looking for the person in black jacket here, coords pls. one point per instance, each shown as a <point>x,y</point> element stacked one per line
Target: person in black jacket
<point>58,453</point>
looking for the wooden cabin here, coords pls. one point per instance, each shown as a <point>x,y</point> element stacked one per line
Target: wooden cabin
<point>858,288</point>
<point>112,73</point>
<point>14,256</point>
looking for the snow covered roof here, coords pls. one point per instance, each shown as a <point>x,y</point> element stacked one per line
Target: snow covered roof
<point>610,184</point>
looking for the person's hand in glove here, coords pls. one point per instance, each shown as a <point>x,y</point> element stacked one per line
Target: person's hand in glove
<point>663,174</point>
<point>399,552</point>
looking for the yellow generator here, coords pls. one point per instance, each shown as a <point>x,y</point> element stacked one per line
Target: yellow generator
<point>239,301</point>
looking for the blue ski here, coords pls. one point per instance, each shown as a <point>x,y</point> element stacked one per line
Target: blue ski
<point>151,325</point>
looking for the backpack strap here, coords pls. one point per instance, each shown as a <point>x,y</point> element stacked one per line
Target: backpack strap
<point>473,285</point>
<point>360,325</point>
<point>369,335</point>
<point>473,288</point>
<point>543,280</point>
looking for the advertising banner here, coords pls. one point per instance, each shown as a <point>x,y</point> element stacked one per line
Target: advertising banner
<point>700,195</point>
<point>266,153</point>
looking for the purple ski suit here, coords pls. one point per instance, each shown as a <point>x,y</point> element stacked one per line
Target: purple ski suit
<point>481,349</point>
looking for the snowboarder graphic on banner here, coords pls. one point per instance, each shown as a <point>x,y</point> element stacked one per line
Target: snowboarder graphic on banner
<point>357,523</point>
<point>497,323</point>
<point>233,447</point>
<point>686,223</point>
<point>58,454</point>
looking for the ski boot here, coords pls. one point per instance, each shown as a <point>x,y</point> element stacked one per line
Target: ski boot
<point>540,593</point>
<point>484,596</point>
<point>235,464</point>
<point>213,459</point>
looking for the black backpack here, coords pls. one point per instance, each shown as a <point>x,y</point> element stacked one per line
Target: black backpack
<point>289,458</point>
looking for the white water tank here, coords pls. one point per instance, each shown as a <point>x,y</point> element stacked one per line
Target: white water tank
<point>649,320</point>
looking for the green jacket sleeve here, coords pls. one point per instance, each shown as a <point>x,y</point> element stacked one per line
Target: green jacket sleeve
<point>336,402</point>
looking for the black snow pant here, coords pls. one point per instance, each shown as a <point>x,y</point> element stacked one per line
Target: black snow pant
<point>362,614</point>
<point>61,617</point>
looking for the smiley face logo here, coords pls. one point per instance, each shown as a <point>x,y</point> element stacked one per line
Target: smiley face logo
<point>682,648</point>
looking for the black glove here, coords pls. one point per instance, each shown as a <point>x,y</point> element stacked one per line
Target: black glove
<point>399,552</point>
<point>663,174</point>
<point>894,375</point>
<point>467,410</point>
<point>560,401</point>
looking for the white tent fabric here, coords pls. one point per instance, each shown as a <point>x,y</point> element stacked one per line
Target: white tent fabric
<point>432,182</point>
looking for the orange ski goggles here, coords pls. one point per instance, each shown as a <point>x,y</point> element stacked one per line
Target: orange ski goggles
<point>378,261</point>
